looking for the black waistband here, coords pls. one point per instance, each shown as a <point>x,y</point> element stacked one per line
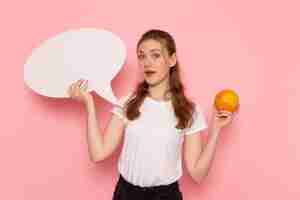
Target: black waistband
<point>147,188</point>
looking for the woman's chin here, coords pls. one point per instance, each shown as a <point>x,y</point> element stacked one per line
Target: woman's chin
<point>150,82</point>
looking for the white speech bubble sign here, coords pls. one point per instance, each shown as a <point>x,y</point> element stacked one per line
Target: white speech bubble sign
<point>96,55</point>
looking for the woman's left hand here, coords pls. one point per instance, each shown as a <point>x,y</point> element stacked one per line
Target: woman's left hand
<point>221,118</point>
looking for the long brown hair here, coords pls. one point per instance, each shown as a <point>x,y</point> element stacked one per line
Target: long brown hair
<point>183,107</point>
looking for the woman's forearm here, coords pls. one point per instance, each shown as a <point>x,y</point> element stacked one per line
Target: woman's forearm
<point>94,136</point>
<point>207,155</point>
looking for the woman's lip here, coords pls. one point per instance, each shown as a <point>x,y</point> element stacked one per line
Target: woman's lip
<point>149,73</point>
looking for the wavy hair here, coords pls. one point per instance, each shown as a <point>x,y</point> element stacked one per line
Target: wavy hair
<point>183,107</point>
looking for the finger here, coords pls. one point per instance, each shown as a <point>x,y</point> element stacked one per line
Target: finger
<point>228,114</point>
<point>76,90</point>
<point>225,112</point>
<point>223,115</point>
<point>81,86</point>
<point>69,91</point>
<point>214,111</point>
<point>83,83</point>
<point>72,90</point>
<point>85,86</point>
<point>78,84</point>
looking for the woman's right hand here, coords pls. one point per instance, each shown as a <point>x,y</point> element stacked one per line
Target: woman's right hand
<point>78,91</point>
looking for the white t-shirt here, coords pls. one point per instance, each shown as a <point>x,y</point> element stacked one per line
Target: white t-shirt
<point>151,153</point>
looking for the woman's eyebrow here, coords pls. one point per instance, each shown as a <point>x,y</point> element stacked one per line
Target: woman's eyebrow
<point>141,51</point>
<point>155,50</point>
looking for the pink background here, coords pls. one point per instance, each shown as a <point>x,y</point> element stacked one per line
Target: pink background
<point>250,46</point>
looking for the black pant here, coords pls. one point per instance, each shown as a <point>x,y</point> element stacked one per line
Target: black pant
<point>127,191</point>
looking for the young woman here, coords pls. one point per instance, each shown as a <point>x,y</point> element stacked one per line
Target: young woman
<point>158,123</point>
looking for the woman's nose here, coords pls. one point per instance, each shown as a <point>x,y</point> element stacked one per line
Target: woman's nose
<point>147,62</point>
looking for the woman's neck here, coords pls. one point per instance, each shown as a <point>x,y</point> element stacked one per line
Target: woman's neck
<point>160,91</point>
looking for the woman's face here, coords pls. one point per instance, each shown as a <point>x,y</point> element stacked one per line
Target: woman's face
<point>155,61</point>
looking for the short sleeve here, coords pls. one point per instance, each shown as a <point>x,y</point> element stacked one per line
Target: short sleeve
<point>118,108</point>
<point>199,123</point>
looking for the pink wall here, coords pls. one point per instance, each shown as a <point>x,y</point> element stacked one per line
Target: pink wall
<point>250,46</point>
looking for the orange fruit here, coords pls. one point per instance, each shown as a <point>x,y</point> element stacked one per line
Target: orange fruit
<point>227,100</point>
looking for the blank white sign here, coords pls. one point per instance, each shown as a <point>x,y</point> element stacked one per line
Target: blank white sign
<point>96,55</point>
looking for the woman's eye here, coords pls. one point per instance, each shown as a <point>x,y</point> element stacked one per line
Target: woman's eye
<point>156,55</point>
<point>140,56</point>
